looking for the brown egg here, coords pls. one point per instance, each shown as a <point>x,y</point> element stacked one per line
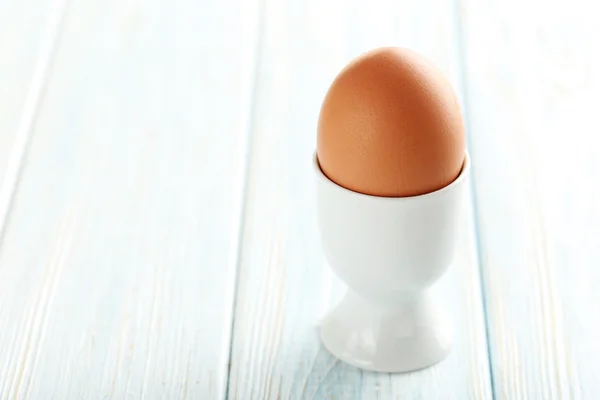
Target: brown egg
<point>391,125</point>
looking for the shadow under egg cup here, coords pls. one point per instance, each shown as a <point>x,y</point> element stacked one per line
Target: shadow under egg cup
<point>389,251</point>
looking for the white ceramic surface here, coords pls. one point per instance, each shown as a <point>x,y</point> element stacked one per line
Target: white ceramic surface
<point>389,251</point>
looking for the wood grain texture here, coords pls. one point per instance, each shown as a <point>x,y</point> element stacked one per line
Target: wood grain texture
<point>29,32</point>
<point>533,95</point>
<point>118,262</point>
<point>284,285</point>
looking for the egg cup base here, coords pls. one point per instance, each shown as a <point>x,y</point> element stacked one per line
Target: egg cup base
<point>413,335</point>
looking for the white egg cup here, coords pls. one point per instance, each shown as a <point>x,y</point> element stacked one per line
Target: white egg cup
<point>389,251</point>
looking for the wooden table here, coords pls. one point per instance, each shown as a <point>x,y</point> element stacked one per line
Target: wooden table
<point>157,201</point>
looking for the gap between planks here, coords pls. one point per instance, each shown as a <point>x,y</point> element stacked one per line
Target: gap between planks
<point>238,232</point>
<point>41,76</point>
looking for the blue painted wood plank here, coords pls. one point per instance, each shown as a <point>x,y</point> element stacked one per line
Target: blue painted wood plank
<point>533,94</point>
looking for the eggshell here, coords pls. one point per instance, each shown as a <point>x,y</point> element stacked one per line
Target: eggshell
<point>391,125</point>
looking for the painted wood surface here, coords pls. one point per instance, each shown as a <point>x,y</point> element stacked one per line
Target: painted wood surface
<point>117,267</point>
<point>284,286</point>
<point>29,31</point>
<point>533,96</point>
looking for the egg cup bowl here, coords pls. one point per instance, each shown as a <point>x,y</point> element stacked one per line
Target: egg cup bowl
<point>389,251</point>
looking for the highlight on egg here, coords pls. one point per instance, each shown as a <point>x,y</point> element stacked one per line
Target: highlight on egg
<point>391,125</point>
